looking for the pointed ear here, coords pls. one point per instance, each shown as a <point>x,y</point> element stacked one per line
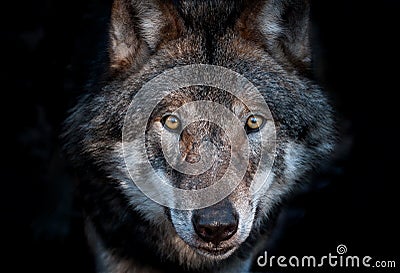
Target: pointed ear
<point>284,28</point>
<point>137,28</point>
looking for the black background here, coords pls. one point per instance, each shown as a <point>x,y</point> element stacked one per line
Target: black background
<point>47,48</point>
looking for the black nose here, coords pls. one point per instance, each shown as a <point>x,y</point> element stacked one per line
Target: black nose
<point>216,223</point>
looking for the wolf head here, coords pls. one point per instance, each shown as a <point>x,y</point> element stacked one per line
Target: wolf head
<point>265,42</point>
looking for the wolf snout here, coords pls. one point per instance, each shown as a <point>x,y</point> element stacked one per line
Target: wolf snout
<point>216,223</point>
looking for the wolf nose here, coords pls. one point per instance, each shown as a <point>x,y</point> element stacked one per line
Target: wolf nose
<point>215,224</point>
<point>215,232</point>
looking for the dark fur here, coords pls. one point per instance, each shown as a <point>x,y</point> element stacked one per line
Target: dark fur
<point>266,41</point>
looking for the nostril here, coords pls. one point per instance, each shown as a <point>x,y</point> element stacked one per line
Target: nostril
<point>215,232</point>
<point>205,232</point>
<point>230,230</point>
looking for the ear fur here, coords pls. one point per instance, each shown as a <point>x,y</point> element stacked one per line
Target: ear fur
<point>137,28</point>
<point>283,28</point>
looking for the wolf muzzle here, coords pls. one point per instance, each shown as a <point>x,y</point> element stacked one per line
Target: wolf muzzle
<point>216,223</point>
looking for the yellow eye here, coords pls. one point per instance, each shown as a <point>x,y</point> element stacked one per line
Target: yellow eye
<point>171,122</point>
<point>254,123</point>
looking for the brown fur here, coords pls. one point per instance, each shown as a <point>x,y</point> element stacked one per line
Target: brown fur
<point>267,42</point>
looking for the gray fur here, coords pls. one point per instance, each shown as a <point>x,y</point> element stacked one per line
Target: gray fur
<point>148,37</point>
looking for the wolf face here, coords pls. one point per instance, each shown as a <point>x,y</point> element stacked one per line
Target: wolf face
<point>218,228</point>
<point>265,42</point>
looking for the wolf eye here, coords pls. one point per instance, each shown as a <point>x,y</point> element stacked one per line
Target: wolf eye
<point>254,123</point>
<point>171,122</point>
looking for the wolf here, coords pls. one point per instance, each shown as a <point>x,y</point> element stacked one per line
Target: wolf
<point>266,42</point>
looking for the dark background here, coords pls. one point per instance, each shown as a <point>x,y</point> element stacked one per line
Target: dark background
<point>47,49</point>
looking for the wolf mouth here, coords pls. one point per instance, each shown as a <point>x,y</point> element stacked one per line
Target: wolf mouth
<point>216,252</point>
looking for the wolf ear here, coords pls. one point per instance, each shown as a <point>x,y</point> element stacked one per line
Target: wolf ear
<point>137,28</point>
<point>284,27</point>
